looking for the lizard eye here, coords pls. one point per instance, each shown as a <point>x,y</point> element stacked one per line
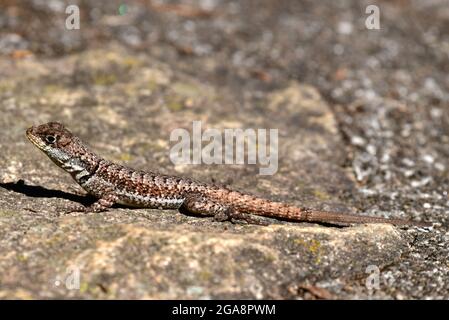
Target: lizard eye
<point>50,139</point>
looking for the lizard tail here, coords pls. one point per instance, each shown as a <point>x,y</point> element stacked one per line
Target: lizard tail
<point>264,207</point>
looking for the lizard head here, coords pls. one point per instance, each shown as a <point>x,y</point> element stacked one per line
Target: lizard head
<point>58,143</point>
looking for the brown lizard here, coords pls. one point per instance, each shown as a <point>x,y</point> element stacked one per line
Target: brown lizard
<point>113,183</point>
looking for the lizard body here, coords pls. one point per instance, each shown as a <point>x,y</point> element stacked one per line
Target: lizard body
<point>113,183</point>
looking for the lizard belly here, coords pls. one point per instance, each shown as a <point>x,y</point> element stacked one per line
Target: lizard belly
<point>98,187</point>
<point>148,201</point>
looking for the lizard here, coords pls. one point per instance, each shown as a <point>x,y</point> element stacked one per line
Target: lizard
<point>113,183</point>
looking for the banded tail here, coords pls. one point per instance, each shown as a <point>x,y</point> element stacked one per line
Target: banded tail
<point>264,207</point>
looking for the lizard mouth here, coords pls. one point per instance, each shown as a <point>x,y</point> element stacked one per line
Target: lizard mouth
<point>34,140</point>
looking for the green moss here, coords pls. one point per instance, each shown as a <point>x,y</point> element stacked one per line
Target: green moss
<point>301,184</point>
<point>84,287</point>
<point>186,89</point>
<point>205,275</point>
<point>125,157</point>
<point>6,86</point>
<point>152,85</point>
<point>174,104</point>
<point>270,257</point>
<point>21,257</point>
<point>313,246</point>
<point>321,194</point>
<point>131,62</point>
<point>7,213</point>
<point>105,79</point>
<point>132,241</point>
<point>55,240</point>
<point>52,88</point>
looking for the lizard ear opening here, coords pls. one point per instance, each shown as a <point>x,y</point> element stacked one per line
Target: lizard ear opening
<point>65,139</point>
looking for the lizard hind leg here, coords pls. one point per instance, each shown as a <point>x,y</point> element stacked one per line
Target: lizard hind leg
<point>206,207</point>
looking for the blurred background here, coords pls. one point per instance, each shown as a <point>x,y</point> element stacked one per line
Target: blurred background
<point>322,42</point>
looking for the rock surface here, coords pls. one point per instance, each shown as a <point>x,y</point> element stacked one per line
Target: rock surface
<point>363,120</point>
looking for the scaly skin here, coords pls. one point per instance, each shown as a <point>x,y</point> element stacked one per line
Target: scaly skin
<point>112,183</point>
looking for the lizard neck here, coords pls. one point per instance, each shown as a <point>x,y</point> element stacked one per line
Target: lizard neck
<point>82,164</point>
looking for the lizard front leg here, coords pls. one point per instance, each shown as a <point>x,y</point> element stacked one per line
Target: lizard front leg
<point>102,204</point>
<point>205,207</point>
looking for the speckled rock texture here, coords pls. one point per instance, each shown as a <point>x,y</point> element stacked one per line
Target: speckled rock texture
<point>363,118</point>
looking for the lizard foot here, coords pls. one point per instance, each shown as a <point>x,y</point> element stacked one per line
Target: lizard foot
<point>71,209</point>
<point>238,217</point>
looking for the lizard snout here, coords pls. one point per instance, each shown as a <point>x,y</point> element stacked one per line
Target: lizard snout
<point>30,130</point>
